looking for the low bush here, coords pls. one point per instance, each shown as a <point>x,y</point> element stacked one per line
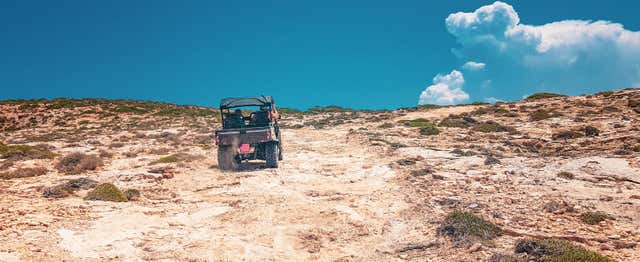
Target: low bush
<point>459,121</point>
<point>492,127</point>
<point>106,192</point>
<point>25,152</point>
<point>557,250</point>
<point>76,163</point>
<point>538,96</point>
<point>69,187</point>
<point>465,226</point>
<point>179,157</point>
<point>418,122</point>
<point>590,131</point>
<point>567,134</point>
<point>490,110</point>
<point>565,175</point>
<point>132,194</point>
<point>593,218</point>
<point>24,172</point>
<point>429,131</point>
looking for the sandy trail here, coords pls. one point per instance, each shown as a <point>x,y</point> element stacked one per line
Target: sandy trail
<point>331,198</point>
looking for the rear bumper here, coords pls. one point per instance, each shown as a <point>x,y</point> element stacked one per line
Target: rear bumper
<point>245,136</point>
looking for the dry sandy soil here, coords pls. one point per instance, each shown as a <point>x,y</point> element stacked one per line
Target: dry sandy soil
<point>353,186</point>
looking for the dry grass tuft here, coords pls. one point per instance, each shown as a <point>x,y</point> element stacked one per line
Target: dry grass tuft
<point>76,163</point>
<point>24,172</point>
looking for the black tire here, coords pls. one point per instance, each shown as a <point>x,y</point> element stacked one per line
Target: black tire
<point>271,154</point>
<point>227,158</point>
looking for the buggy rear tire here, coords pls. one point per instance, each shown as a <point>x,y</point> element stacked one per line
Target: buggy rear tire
<point>227,158</point>
<point>271,154</point>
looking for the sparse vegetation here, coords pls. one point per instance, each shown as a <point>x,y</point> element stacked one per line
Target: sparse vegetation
<point>464,226</point>
<point>557,250</point>
<point>593,218</point>
<point>538,96</point>
<point>24,172</point>
<point>76,163</point>
<point>565,175</point>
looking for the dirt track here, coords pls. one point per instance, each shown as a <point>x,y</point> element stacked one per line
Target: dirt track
<point>331,198</point>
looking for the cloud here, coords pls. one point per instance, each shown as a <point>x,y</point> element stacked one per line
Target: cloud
<point>569,56</point>
<point>446,90</point>
<point>473,66</point>
<point>492,100</point>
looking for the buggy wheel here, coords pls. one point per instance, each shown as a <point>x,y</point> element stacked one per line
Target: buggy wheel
<point>279,151</point>
<point>227,158</point>
<point>271,154</point>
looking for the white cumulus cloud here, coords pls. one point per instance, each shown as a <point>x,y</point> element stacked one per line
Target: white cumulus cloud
<point>446,90</point>
<point>473,66</point>
<point>572,56</point>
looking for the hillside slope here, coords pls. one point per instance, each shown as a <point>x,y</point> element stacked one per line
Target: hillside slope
<point>353,186</point>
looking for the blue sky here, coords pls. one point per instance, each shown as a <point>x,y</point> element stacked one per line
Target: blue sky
<point>361,54</point>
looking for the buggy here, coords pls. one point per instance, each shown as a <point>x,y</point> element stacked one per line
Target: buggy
<point>254,136</point>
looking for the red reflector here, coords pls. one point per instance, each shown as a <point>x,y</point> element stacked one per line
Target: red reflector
<point>245,148</point>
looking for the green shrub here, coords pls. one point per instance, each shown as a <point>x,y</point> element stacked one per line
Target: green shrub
<point>557,250</point>
<point>492,127</point>
<point>106,192</point>
<point>418,122</point>
<point>593,218</point>
<point>386,125</point>
<point>538,96</point>
<point>465,226</point>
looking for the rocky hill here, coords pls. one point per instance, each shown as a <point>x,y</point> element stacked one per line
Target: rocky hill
<point>547,178</point>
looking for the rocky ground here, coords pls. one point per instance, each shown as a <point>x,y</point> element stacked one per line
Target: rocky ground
<point>353,186</point>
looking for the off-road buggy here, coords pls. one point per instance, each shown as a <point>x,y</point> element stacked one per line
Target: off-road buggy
<point>250,137</point>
